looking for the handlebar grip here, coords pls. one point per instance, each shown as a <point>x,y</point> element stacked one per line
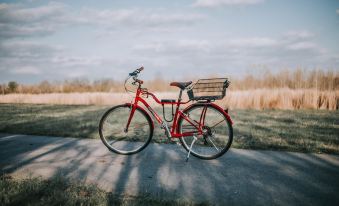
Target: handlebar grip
<point>136,71</point>
<point>141,68</point>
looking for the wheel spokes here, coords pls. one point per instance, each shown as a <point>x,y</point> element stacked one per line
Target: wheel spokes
<point>210,144</point>
<point>121,141</point>
<point>217,123</point>
<point>213,144</point>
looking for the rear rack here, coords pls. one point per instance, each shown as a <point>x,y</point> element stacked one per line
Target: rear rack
<point>208,89</point>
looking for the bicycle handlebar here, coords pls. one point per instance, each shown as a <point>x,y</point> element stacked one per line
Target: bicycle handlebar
<point>137,71</point>
<point>134,75</point>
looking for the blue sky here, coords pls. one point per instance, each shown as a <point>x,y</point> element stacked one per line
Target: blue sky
<point>57,40</point>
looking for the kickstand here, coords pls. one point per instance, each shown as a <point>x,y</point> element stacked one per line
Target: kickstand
<point>189,151</point>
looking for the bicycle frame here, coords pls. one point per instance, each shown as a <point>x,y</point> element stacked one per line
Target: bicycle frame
<point>173,132</point>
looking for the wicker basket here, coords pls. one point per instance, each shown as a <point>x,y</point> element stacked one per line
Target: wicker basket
<point>208,89</point>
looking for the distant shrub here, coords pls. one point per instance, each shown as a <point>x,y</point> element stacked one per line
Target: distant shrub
<point>12,87</point>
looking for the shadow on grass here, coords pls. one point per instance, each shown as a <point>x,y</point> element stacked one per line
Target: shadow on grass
<point>57,120</point>
<point>53,120</point>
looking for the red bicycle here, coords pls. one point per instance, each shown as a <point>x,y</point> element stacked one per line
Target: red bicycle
<point>203,128</point>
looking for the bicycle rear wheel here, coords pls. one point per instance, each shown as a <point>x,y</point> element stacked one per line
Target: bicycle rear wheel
<point>112,130</point>
<point>217,134</point>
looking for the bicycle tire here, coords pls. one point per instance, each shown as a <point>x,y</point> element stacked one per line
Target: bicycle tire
<point>112,112</point>
<point>186,144</point>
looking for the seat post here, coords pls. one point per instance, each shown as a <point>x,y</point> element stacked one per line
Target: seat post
<point>180,94</point>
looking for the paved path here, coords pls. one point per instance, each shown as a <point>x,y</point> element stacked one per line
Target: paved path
<point>241,177</point>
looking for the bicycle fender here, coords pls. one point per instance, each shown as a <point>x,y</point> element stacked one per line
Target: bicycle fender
<point>224,112</point>
<point>213,105</point>
<point>144,111</point>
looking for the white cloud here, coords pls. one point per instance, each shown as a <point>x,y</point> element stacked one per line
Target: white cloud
<point>252,42</point>
<point>34,58</point>
<point>337,11</point>
<point>172,38</point>
<point>26,70</point>
<point>239,52</point>
<point>302,46</point>
<point>16,20</point>
<point>137,17</point>
<point>18,14</point>
<point>75,61</point>
<point>27,49</point>
<point>220,3</point>
<point>185,46</point>
<point>174,47</point>
<point>4,6</point>
<point>76,74</point>
<point>301,34</point>
<point>211,54</point>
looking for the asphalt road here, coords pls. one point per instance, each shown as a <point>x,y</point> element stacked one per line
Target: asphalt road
<point>240,177</point>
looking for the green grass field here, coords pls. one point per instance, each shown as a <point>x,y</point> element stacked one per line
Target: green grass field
<point>287,130</point>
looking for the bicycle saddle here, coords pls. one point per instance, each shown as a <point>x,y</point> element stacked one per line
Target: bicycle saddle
<point>181,85</point>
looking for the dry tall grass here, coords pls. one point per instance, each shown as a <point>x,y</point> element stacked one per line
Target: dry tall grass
<point>283,98</point>
<point>299,89</point>
<point>298,79</point>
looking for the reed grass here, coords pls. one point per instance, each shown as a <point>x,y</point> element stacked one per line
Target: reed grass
<point>283,98</point>
<point>297,79</point>
<point>300,89</point>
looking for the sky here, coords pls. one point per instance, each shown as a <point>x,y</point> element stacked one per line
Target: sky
<point>177,39</point>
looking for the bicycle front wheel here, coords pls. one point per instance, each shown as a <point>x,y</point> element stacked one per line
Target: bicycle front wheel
<point>217,134</point>
<point>117,139</point>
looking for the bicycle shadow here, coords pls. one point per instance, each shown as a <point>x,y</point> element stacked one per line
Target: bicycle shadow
<point>239,177</point>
